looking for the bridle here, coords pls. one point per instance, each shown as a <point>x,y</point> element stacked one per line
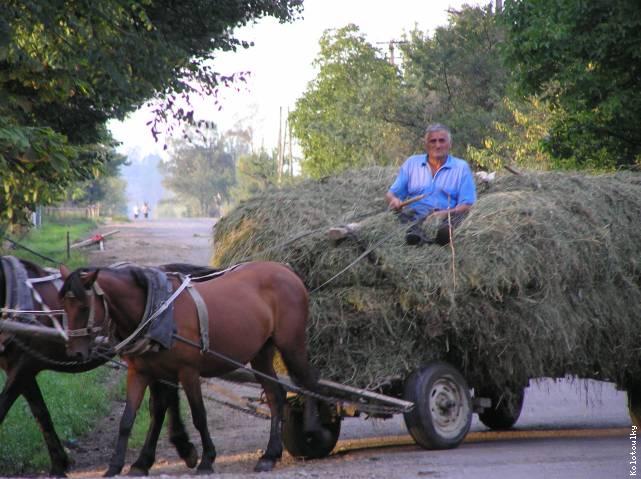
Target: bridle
<point>90,329</point>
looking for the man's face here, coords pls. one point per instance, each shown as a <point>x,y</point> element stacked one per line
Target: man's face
<point>437,145</point>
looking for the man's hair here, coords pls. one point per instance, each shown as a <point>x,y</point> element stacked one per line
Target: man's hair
<point>439,127</point>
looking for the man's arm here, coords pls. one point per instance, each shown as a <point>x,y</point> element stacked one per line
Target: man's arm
<point>451,211</point>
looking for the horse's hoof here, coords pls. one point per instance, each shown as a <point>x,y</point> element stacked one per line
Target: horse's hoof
<point>57,473</point>
<point>112,471</point>
<point>191,458</point>
<point>204,470</point>
<point>264,465</point>
<point>137,472</point>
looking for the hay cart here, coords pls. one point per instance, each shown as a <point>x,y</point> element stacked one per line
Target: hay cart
<point>541,280</point>
<point>435,401</point>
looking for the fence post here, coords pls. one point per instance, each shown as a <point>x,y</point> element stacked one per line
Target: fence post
<point>68,246</point>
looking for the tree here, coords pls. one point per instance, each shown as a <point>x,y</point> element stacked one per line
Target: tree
<point>67,66</point>
<point>341,119</point>
<point>202,168</point>
<point>456,77</point>
<point>519,142</point>
<point>254,173</point>
<point>584,57</point>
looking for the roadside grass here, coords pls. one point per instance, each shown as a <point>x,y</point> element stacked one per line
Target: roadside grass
<point>51,240</point>
<point>76,402</point>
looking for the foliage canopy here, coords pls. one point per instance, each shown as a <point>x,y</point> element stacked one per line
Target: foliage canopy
<point>586,58</point>
<point>66,67</point>
<point>341,120</point>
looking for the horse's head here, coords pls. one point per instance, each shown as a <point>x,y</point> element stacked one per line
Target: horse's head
<point>77,297</point>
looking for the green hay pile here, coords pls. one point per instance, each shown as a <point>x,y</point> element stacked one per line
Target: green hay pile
<point>543,278</point>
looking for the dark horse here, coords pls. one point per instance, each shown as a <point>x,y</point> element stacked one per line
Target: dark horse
<point>252,311</point>
<point>22,358</point>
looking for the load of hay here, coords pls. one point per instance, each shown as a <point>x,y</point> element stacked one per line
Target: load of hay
<point>542,279</point>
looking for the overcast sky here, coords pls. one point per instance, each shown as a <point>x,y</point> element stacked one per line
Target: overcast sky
<point>281,59</point>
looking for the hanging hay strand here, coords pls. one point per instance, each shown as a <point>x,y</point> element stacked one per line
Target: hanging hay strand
<point>543,279</point>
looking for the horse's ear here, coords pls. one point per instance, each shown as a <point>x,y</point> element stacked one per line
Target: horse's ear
<point>89,278</point>
<point>64,272</point>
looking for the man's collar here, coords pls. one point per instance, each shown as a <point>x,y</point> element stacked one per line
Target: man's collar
<point>446,164</point>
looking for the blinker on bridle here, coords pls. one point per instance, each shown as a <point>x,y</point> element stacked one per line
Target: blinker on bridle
<point>90,328</point>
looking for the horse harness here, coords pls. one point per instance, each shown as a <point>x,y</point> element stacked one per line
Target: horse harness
<point>154,331</point>
<point>21,297</point>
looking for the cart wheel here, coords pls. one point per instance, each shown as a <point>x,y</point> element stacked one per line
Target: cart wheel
<point>506,407</point>
<point>300,444</point>
<point>443,409</point>
<point>634,404</point>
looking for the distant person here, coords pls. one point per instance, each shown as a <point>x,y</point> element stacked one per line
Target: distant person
<point>446,182</point>
<point>136,211</point>
<point>145,209</point>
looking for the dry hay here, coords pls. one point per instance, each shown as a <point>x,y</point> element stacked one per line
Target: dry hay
<point>543,278</point>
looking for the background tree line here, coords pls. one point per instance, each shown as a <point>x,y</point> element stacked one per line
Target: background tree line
<point>540,84</point>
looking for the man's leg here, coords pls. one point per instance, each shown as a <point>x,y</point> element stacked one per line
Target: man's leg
<point>443,233</point>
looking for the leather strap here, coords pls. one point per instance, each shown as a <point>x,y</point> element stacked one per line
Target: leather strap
<point>203,317</point>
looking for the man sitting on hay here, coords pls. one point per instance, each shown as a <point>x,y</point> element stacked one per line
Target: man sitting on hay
<point>445,182</point>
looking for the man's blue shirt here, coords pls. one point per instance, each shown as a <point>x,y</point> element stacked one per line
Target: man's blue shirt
<point>452,185</point>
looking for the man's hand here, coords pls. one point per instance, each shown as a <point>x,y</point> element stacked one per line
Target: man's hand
<point>393,202</point>
<point>439,214</point>
<point>442,214</point>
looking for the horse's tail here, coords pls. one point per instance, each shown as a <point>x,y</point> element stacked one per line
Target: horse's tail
<point>302,373</point>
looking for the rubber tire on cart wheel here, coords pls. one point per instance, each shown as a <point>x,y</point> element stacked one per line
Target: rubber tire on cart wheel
<point>442,411</point>
<point>297,442</point>
<point>634,404</point>
<point>505,410</point>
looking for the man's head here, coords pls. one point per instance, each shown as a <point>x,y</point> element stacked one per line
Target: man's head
<point>438,141</point>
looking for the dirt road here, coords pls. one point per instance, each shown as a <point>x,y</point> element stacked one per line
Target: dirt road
<point>153,242</point>
<point>567,428</point>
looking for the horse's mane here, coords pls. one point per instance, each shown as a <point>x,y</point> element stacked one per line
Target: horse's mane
<point>33,269</point>
<point>138,275</point>
<point>74,283</point>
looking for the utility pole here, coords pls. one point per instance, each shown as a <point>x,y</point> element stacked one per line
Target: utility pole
<point>392,48</point>
<point>279,153</point>
<point>291,157</point>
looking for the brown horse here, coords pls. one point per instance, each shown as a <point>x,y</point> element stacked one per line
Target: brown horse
<point>252,310</point>
<point>22,358</point>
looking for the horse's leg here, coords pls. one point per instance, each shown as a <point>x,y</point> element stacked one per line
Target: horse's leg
<point>59,459</point>
<point>275,394</point>
<point>136,386</point>
<point>23,382</point>
<point>177,433</point>
<point>157,407</point>
<point>190,380</point>
<point>163,398</point>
